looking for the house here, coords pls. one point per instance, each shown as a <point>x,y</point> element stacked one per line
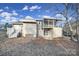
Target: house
<point>45,28</point>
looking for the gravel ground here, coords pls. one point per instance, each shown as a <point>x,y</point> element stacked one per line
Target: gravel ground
<point>38,47</point>
<point>3,36</point>
<point>34,49</point>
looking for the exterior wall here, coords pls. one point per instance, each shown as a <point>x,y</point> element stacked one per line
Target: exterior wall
<point>48,30</point>
<point>54,32</point>
<point>34,29</point>
<point>40,31</point>
<point>57,32</point>
<point>9,32</point>
<point>17,27</point>
<point>48,33</point>
<point>29,29</point>
<point>14,31</point>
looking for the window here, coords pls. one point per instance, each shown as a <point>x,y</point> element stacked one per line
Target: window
<point>45,32</point>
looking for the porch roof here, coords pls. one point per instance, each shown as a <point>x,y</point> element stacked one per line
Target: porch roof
<point>52,19</point>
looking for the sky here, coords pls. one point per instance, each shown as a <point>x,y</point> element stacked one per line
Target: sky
<point>11,12</point>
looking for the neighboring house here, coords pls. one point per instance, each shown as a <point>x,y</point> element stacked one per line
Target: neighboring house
<point>45,28</point>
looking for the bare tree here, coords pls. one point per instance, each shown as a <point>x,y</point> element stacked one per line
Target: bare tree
<point>77,12</point>
<point>68,28</point>
<point>74,7</point>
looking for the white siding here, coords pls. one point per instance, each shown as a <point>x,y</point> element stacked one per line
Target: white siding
<point>18,27</point>
<point>29,28</point>
<point>57,32</point>
<point>40,30</point>
<point>14,31</point>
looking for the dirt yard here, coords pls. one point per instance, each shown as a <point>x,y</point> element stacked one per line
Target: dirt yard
<point>37,47</point>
